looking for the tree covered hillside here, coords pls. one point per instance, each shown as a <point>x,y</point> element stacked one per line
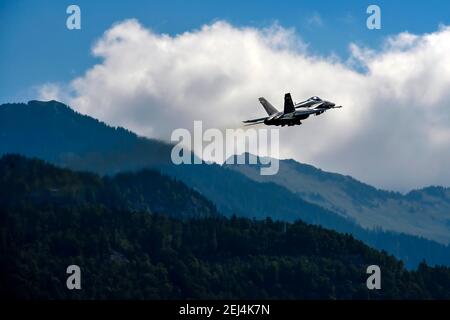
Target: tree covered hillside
<point>67,218</point>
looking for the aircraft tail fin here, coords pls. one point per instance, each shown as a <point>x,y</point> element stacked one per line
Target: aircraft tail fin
<point>288,103</point>
<point>270,109</point>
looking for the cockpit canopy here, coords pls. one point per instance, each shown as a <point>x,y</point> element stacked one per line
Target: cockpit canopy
<point>315,98</point>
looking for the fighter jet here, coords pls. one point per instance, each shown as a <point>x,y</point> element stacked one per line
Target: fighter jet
<point>292,113</point>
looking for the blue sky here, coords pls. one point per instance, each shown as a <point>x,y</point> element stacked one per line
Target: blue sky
<point>37,48</point>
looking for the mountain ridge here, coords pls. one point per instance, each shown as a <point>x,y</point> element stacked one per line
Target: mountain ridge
<point>73,143</point>
<point>424,212</point>
<point>24,180</point>
<point>97,146</point>
<point>129,253</point>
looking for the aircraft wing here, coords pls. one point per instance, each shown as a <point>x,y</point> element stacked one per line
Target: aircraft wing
<point>306,111</point>
<point>255,121</point>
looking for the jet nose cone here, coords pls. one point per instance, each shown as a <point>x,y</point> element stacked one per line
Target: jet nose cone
<point>331,104</point>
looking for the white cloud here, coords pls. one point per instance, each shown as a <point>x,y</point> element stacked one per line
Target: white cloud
<point>49,91</point>
<point>393,132</point>
<point>315,20</point>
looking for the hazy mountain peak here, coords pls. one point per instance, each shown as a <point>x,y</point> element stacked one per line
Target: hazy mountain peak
<point>425,212</point>
<point>53,131</point>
